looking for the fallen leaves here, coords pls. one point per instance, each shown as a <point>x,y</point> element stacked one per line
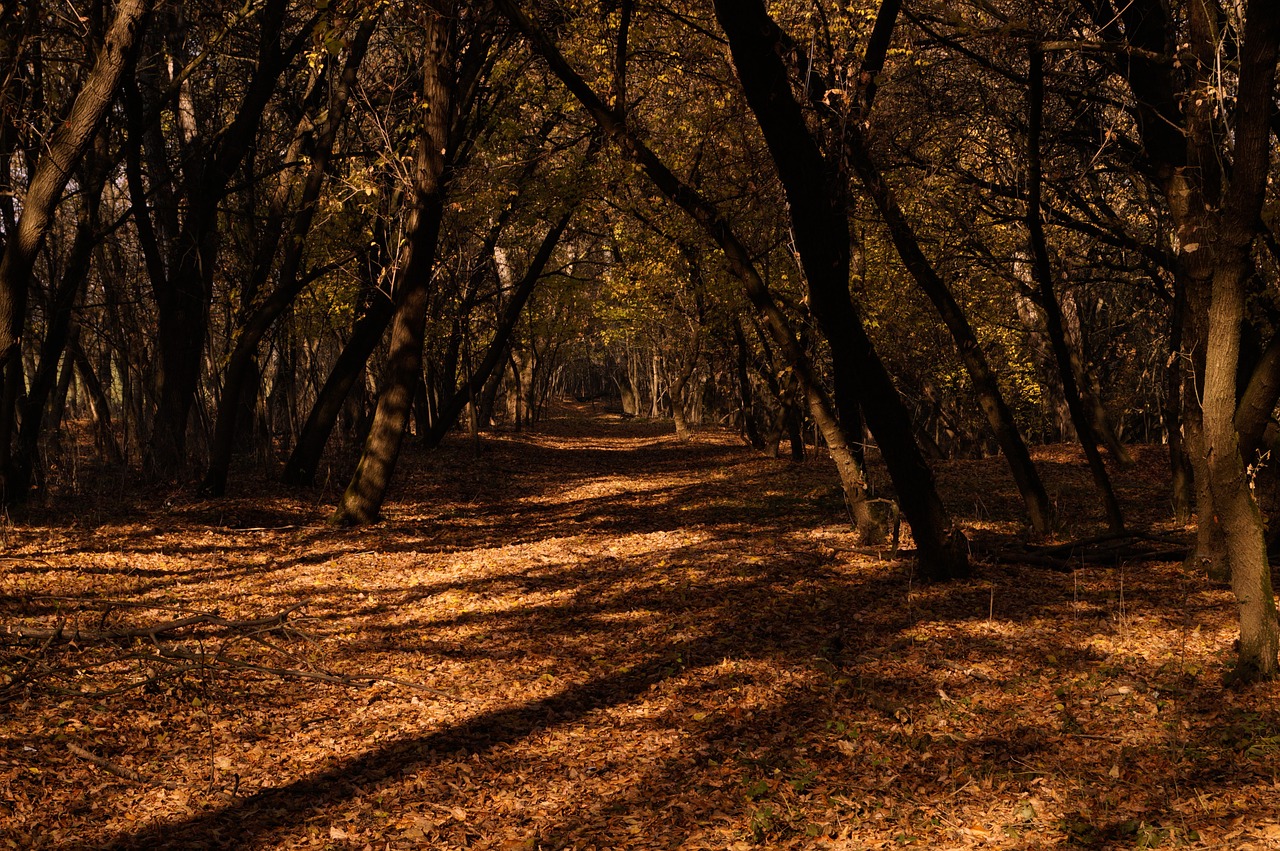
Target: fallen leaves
<point>597,636</point>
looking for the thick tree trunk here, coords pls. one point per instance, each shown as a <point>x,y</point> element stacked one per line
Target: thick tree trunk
<point>1228,480</point>
<point>363,498</point>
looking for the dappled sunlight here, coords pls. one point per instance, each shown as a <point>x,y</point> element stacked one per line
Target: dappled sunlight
<point>689,650</point>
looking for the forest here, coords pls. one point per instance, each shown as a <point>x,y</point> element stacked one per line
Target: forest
<point>548,424</point>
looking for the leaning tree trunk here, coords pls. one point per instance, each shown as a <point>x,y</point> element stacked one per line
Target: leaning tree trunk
<point>820,226</point>
<point>59,324</point>
<point>451,407</point>
<point>65,148</point>
<point>364,495</point>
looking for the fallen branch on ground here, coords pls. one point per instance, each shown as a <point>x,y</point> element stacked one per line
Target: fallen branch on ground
<point>153,631</point>
<point>117,770</point>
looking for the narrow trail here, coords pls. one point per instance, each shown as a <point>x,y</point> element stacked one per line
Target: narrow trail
<point>594,636</point>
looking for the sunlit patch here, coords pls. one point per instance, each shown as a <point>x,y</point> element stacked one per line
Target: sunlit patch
<point>602,636</point>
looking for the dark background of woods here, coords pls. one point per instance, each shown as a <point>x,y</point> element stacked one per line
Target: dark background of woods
<point>238,235</point>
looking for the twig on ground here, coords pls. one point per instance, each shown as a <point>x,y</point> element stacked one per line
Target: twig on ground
<point>117,770</point>
<point>154,630</point>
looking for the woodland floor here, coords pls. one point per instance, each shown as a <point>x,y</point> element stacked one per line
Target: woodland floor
<point>593,636</point>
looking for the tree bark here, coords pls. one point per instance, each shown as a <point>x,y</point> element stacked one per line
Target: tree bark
<point>363,498</point>
<point>1233,232</point>
<point>1043,272</point>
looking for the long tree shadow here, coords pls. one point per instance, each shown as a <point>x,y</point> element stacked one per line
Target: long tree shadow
<point>859,646</point>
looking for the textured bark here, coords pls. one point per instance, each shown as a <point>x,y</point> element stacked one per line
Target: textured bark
<point>1233,232</point>
<point>363,498</point>
<point>1258,402</point>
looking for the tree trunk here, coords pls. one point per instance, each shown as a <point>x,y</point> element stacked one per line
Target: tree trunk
<point>350,366</point>
<point>820,226</point>
<point>986,387</point>
<point>750,428</point>
<point>679,410</point>
<point>1181,474</point>
<point>471,388</point>
<point>240,365</point>
<point>363,498</point>
<point>937,547</point>
<point>184,294</point>
<point>1043,272</point>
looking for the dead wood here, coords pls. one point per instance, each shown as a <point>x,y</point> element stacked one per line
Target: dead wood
<point>117,770</point>
<point>81,636</point>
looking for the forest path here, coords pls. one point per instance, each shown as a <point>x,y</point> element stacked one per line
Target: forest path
<point>593,635</point>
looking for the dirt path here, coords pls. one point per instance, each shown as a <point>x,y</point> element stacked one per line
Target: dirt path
<point>597,637</point>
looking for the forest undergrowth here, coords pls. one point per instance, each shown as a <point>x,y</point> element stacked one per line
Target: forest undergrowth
<point>592,635</point>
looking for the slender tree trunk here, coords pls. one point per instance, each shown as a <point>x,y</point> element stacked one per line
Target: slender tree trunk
<point>59,324</point>
<point>240,365</point>
<point>679,410</point>
<point>106,435</point>
<point>933,530</point>
<point>1043,271</point>
<point>350,366</point>
<point>987,389</point>
<point>820,226</point>
<point>476,381</point>
<point>750,429</point>
<point>1183,483</point>
<point>364,495</point>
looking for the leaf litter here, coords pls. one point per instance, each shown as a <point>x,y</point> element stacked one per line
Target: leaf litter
<point>594,636</point>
